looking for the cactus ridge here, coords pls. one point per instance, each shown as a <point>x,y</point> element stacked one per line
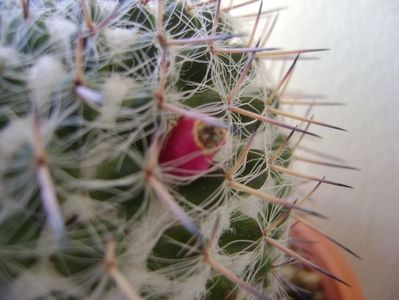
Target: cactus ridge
<point>142,156</point>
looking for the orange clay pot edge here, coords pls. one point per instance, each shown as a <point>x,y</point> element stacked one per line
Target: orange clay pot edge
<point>327,256</point>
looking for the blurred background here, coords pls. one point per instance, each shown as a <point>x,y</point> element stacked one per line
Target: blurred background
<point>361,70</point>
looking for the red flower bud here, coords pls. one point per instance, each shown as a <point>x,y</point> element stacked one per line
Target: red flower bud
<point>191,146</point>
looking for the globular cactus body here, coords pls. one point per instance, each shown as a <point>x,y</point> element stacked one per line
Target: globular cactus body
<point>141,155</point>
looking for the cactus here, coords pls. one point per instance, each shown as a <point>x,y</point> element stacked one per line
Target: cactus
<point>142,153</point>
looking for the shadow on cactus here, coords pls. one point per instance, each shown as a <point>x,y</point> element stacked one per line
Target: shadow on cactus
<point>144,153</point>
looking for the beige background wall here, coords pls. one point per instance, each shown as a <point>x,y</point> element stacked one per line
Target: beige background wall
<point>362,70</point>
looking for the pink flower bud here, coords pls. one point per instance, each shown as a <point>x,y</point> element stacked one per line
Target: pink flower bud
<point>191,146</point>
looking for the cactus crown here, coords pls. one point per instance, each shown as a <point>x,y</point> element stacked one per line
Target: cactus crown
<point>140,154</point>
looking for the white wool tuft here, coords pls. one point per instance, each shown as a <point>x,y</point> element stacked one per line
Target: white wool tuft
<point>43,78</point>
<point>17,133</point>
<point>38,282</point>
<point>9,56</point>
<point>115,90</point>
<point>237,263</point>
<point>120,39</point>
<point>60,29</point>
<point>194,286</point>
<point>251,207</point>
<point>223,213</point>
<point>88,209</point>
<point>144,234</point>
<point>106,7</point>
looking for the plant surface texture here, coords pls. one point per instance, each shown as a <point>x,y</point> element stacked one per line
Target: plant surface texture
<point>145,152</point>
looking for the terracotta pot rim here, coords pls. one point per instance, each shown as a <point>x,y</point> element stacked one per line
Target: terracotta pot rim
<point>326,255</point>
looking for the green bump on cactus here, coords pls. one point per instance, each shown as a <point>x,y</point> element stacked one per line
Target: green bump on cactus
<point>104,194</point>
